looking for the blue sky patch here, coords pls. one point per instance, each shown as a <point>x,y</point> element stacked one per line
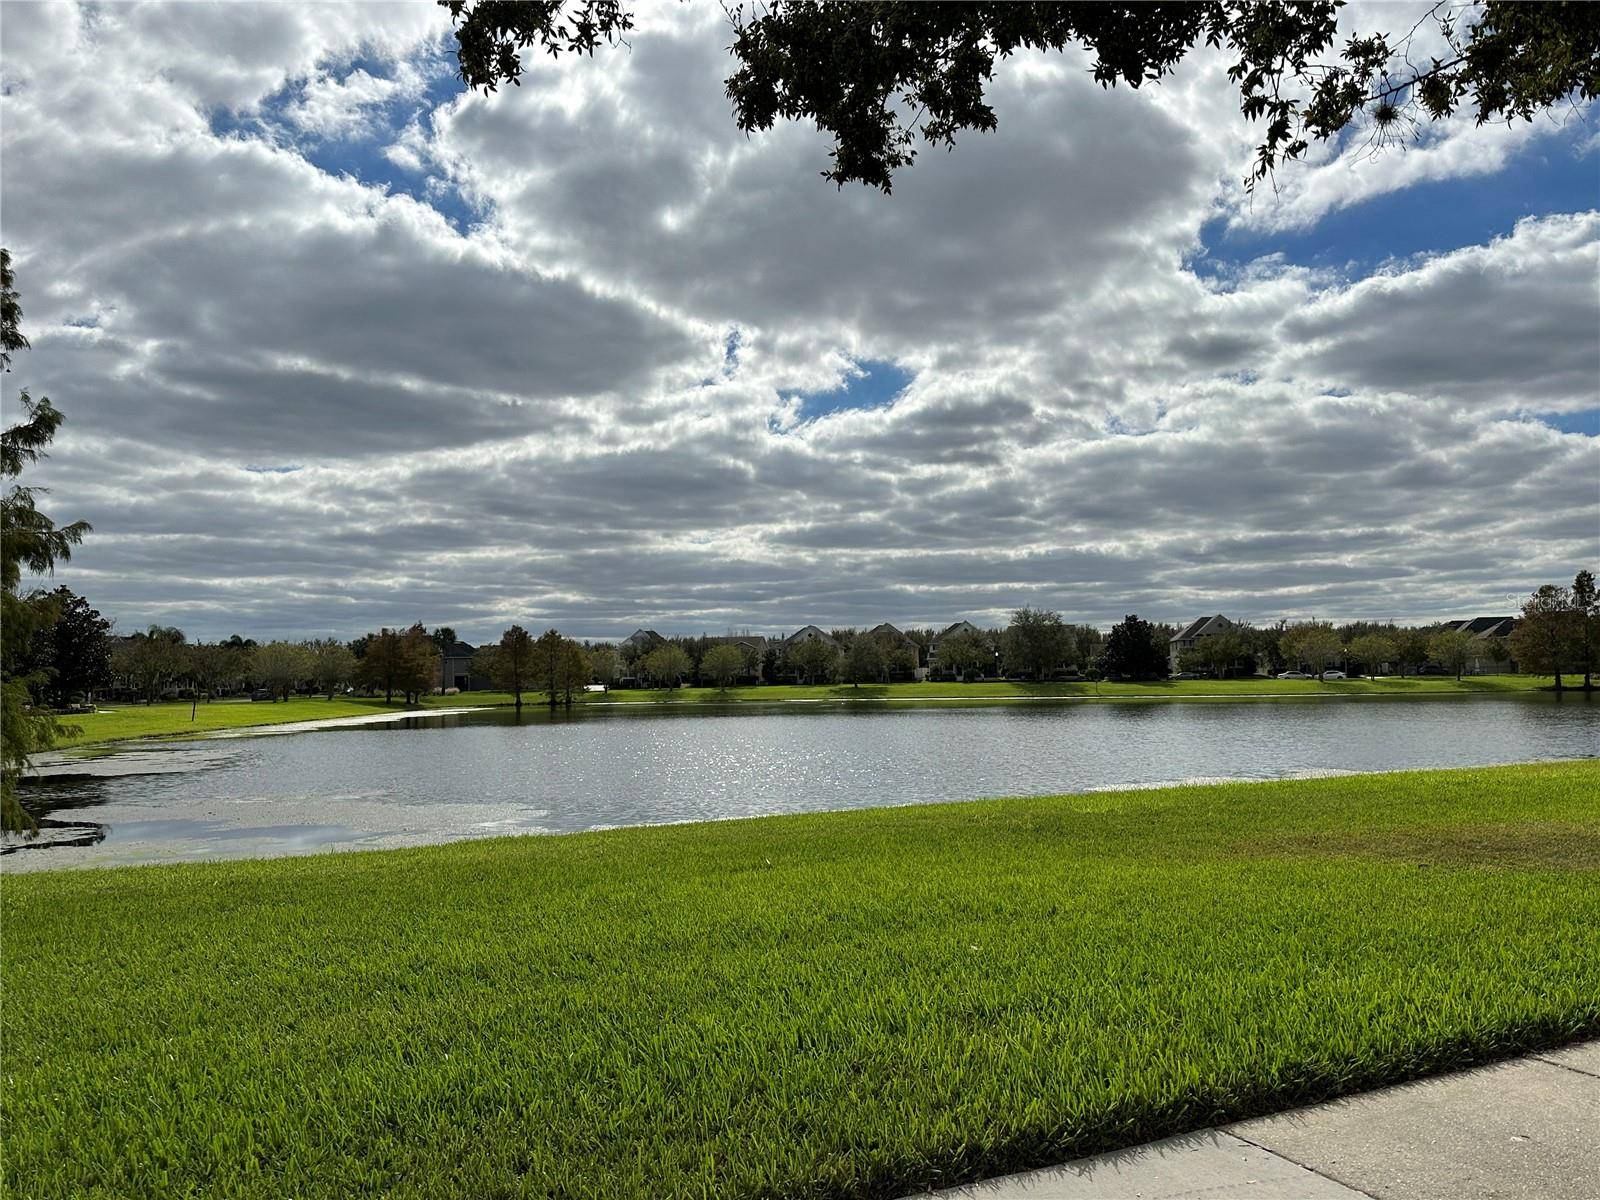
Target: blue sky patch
<point>873,383</point>
<point>1559,173</point>
<point>259,470</point>
<point>1586,421</point>
<point>360,154</point>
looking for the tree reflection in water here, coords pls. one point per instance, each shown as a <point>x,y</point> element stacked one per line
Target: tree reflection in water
<point>55,832</point>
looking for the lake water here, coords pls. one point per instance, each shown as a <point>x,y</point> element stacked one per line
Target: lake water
<point>431,779</point>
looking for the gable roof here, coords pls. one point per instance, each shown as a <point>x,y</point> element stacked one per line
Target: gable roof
<point>1204,625</point>
<point>737,639</point>
<point>1486,626</point>
<point>958,627</point>
<point>460,650</point>
<point>886,630</point>
<point>807,633</point>
<point>643,635</point>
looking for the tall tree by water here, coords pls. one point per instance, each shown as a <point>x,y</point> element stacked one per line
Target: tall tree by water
<point>332,665</point>
<point>509,663</point>
<point>1451,649</point>
<point>1586,618</point>
<point>964,654</point>
<point>1545,639</point>
<point>29,541</point>
<point>1371,651</point>
<point>602,662</point>
<point>666,665</point>
<point>722,664</point>
<point>876,77</point>
<point>863,661</point>
<point>153,660</point>
<point>817,660</point>
<point>1134,650</point>
<point>560,667</point>
<point>399,661</point>
<point>74,652</point>
<point>1036,641</point>
<point>1311,644</point>
<point>280,667</point>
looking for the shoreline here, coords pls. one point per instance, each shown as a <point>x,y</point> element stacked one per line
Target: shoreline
<point>172,722</point>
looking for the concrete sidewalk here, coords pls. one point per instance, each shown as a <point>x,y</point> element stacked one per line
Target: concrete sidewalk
<point>1529,1127</point>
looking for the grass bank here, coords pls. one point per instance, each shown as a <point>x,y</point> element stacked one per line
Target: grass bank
<point>120,722</point>
<point>848,1004</point>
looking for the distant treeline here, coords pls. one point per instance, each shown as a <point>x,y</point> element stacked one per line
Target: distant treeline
<point>76,655</point>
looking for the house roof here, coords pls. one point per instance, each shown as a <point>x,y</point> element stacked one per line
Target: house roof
<point>460,650</point>
<point>807,633</point>
<point>643,635</point>
<point>1204,625</point>
<point>958,627</point>
<point>1486,626</point>
<point>737,639</point>
<point>888,630</point>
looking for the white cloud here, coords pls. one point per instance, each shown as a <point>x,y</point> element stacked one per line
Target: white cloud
<point>333,107</point>
<point>1458,148</point>
<point>535,421</point>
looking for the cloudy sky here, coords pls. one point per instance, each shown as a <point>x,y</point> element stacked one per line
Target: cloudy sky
<point>342,346</point>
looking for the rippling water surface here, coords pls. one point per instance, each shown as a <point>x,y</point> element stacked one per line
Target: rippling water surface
<point>434,779</point>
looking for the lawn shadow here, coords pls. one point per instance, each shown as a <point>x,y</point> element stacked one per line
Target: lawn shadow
<point>1540,845</point>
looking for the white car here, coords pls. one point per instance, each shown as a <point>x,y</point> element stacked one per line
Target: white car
<point>1293,675</point>
<point>1334,675</point>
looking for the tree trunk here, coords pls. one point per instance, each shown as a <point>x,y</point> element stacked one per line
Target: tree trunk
<point>516,693</point>
<point>388,695</point>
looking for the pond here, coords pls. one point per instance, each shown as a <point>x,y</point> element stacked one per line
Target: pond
<point>418,780</point>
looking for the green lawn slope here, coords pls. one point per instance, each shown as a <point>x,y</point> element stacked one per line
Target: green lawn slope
<point>835,1005</point>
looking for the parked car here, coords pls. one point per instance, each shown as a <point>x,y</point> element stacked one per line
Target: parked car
<point>1184,675</point>
<point>1293,675</point>
<point>262,694</point>
<point>1334,675</point>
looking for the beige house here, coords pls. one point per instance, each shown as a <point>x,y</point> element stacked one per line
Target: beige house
<point>898,637</point>
<point>1186,638</point>
<point>947,631</point>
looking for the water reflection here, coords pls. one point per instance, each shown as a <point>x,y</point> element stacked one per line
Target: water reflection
<point>41,802</point>
<point>436,778</point>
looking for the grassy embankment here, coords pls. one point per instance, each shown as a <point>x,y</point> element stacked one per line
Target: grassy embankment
<point>845,1004</point>
<point>118,722</point>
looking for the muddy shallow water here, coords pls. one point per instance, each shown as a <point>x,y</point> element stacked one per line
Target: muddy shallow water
<point>416,780</point>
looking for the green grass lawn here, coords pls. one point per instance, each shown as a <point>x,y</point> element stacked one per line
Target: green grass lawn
<point>846,1004</point>
<point>118,722</point>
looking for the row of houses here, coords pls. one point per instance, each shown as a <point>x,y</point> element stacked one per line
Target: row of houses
<point>1483,630</point>
<point>756,646</point>
<point>455,667</point>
